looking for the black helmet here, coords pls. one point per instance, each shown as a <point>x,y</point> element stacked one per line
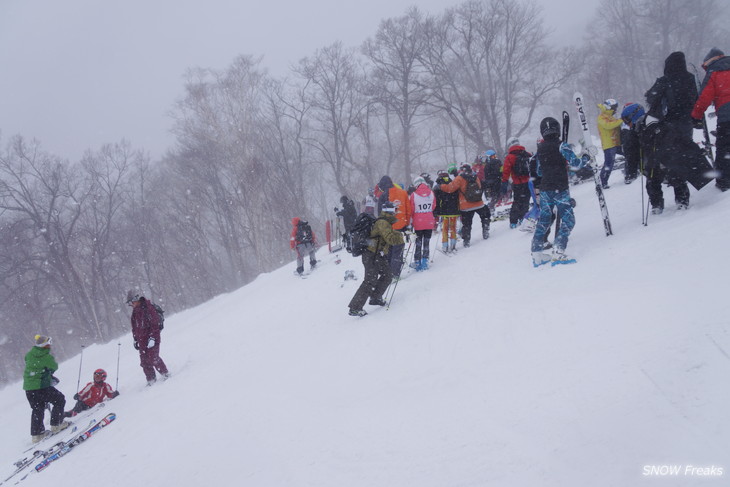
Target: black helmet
<point>549,126</point>
<point>465,168</point>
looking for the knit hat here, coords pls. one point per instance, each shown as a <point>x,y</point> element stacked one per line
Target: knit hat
<point>418,181</point>
<point>712,56</point>
<point>42,341</point>
<point>133,295</point>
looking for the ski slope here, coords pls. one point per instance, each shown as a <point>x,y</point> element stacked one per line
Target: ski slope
<point>485,370</point>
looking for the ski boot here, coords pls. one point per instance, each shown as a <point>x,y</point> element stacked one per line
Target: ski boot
<point>540,258</point>
<point>59,427</point>
<point>560,257</point>
<point>452,245</point>
<point>357,312</point>
<point>485,231</point>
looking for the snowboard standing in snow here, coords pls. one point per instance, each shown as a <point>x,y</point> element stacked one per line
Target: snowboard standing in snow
<point>590,150</point>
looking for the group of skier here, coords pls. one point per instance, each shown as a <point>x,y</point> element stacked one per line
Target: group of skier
<point>39,382</point>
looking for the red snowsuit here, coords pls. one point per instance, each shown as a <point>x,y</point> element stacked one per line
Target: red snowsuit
<point>95,392</point>
<point>146,326</point>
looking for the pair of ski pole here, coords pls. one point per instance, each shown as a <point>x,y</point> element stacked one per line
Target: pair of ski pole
<point>81,361</point>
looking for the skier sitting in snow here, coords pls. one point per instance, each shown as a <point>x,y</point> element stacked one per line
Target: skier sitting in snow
<point>551,181</point>
<point>92,394</point>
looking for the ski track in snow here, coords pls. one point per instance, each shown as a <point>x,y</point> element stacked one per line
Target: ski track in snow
<point>484,371</point>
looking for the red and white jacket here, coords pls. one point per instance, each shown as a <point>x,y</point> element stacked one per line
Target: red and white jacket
<point>94,393</point>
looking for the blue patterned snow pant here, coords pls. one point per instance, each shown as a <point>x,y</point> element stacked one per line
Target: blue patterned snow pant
<point>549,200</point>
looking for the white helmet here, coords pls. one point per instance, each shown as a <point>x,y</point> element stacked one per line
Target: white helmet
<point>512,141</point>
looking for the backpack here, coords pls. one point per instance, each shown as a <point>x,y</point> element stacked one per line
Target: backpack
<point>521,166</point>
<point>473,191</point>
<point>360,234</point>
<point>493,170</point>
<point>161,314</point>
<point>304,233</point>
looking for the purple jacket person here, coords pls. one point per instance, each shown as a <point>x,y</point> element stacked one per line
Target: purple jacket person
<point>146,334</point>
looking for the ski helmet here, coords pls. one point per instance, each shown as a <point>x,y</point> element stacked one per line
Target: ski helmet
<point>490,154</point>
<point>631,113</point>
<point>512,141</point>
<point>99,375</point>
<point>133,296</point>
<point>465,168</point>
<point>549,126</point>
<point>610,104</point>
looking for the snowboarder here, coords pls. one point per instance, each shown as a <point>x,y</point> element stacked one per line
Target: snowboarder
<point>146,335</point>
<point>609,128</point>
<point>378,273</point>
<point>516,166</point>
<point>551,182</point>
<point>716,89</point>
<point>467,208</point>
<point>447,208</point>
<point>303,240</point>
<point>423,203</point>
<point>38,384</point>
<point>92,394</point>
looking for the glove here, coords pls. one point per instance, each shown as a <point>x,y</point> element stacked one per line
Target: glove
<point>150,342</point>
<point>136,345</point>
<point>54,381</point>
<point>336,209</point>
<point>649,120</point>
<point>572,203</point>
<point>77,397</point>
<point>503,188</point>
<point>115,394</point>
<point>698,124</point>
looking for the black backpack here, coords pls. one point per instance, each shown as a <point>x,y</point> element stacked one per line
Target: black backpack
<point>493,170</point>
<point>304,233</point>
<point>473,191</point>
<point>522,164</point>
<point>360,234</point>
<point>161,313</point>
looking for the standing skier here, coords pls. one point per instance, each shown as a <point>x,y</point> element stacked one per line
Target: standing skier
<point>348,214</point>
<point>378,273</point>
<point>146,334</point>
<point>492,178</point>
<point>670,101</point>
<point>469,205</point>
<point>399,197</point>
<point>423,203</point>
<point>303,241</point>
<point>630,140</point>
<point>551,181</point>
<point>447,208</point>
<point>38,384</point>
<point>609,128</point>
<point>516,166</point>
<point>92,394</point>
<point>716,89</point>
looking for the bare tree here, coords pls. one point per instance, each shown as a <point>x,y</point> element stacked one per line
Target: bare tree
<point>398,75</point>
<point>491,68</point>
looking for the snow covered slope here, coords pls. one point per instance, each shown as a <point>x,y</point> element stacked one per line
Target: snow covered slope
<point>485,371</point>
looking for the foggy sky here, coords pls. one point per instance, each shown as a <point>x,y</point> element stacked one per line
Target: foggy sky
<point>80,73</point>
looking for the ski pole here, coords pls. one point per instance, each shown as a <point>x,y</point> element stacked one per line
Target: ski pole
<point>119,350</point>
<point>81,361</point>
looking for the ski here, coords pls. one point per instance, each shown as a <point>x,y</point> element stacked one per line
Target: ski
<point>590,150</point>
<point>69,445</point>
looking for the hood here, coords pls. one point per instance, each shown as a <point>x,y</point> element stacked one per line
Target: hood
<point>714,53</point>
<point>605,111</point>
<point>385,183</point>
<point>719,64</point>
<point>423,190</point>
<point>295,221</point>
<point>675,63</point>
<point>37,352</point>
<point>516,148</point>
<point>389,217</point>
